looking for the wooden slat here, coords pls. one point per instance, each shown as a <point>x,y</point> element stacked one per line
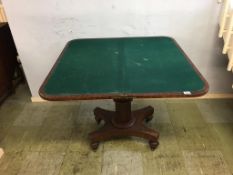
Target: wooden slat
<point>224,16</point>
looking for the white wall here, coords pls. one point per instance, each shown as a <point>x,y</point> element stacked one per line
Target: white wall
<point>41,28</point>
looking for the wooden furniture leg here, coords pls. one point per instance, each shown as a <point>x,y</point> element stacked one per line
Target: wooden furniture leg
<point>123,122</point>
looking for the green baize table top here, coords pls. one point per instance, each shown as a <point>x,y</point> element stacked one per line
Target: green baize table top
<point>122,67</point>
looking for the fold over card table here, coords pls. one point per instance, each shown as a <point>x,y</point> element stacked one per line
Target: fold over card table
<point>122,69</point>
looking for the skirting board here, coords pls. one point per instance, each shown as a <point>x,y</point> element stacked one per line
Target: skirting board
<point>207,96</point>
<point>37,99</point>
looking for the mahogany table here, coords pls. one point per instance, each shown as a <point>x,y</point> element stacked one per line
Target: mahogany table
<point>122,69</point>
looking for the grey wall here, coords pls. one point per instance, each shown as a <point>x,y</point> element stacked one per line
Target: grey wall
<point>41,29</point>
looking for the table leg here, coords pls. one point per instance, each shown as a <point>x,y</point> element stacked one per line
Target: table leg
<point>123,122</point>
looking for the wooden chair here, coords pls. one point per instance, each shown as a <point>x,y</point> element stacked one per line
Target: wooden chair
<point>224,16</point>
<point>228,30</point>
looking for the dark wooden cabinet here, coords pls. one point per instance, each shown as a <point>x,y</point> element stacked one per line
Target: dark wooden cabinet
<point>8,60</point>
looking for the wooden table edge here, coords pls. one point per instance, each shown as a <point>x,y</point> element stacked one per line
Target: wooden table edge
<point>121,95</point>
